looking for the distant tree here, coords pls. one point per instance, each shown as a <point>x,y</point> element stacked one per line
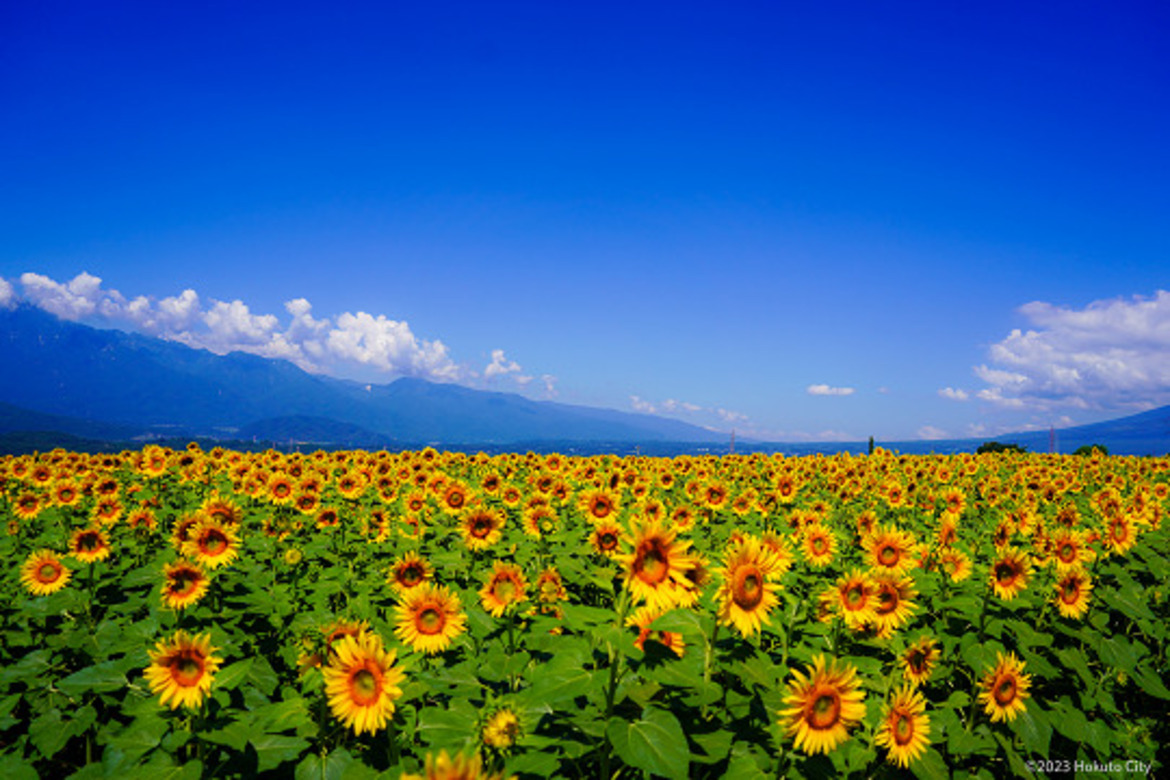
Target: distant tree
<point>1089,449</point>
<point>995,446</point>
<point>871,445</point>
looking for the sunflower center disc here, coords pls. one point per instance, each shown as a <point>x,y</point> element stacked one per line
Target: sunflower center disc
<point>365,687</point>
<point>187,670</point>
<point>903,730</point>
<point>825,710</point>
<point>430,621</point>
<point>47,573</point>
<point>1005,692</point>
<point>888,556</point>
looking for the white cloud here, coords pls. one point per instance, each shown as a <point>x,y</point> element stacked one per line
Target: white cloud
<point>827,390</point>
<point>729,416</point>
<point>954,394</point>
<point>550,385</point>
<point>1111,355</point>
<point>7,294</point>
<point>500,365</point>
<point>82,297</point>
<point>642,405</point>
<point>673,406</point>
<point>931,432</point>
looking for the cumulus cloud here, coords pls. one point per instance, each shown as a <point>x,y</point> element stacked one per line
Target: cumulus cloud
<point>500,365</point>
<point>1111,355</point>
<point>954,394</point>
<point>352,340</point>
<point>827,390</point>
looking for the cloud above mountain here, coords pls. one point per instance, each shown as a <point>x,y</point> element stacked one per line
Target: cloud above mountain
<point>1110,355</point>
<point>341,345</point>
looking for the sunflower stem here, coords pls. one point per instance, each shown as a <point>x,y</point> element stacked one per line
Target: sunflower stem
<point>708,658</point>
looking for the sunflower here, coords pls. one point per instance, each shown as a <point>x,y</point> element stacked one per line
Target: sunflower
<point>361,683</point>
<point>181,669</point>
<point>66,493</point>
<point>1070,550</point>
<point>823,705</point>
<point>281,490</point>
<point>223,509</point>
<point>89,544</point>
<point>501,729</point>
<point>429,617</point>
<point>550,588</point>
<point>459,768</point>
<point>506,586</point>
<point>1121,535</point>
<point>819,544</point>
<point>481,528</point>
<point>212,544</point>
<point>748,594</point>
<point>142,518</point>
<point>919,659</point>
<point>1004,688</point>
<point>956,564</point>
<point>854,598</point>
<point>894,605</point>
<point>1009,574</point>
<point>183,584</point>
<point>27,506</point>
<point>107,511</point>
<point>1072,593</point>
<point>454,498</point>
<point>606,538</point>
<point>408,572</point>
<point>657,566</point>
<point>181,530</point>
<point>43,573</point>
<point>540,520</point>
<point>904,727</point>
<point>599,505</point>
<point>642,617</point>
<point>890,549</point>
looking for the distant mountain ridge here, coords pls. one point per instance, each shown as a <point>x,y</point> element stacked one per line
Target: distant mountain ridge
<point>57,367</point>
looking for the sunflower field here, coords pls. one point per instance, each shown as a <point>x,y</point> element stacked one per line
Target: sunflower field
<point>351,614</point>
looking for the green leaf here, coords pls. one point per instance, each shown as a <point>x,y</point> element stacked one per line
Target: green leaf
<point>262,676</point>
<point>715,746</point>
<point>450,729</point>
<point>1150,683</point>
<point>1034,729</point>
<point>26,669</point>
<point>330,766</point>
<point>273,750</point>
<point>48,734</point>
<point>654,744</point>
<point>930,766</point>
<point>15,768</point>
<point>230,677</point>
<point>554,686</point>
<point>143,734</point>
<point>99,678</point>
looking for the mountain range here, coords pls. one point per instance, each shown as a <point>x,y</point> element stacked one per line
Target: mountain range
<point>79,386</point>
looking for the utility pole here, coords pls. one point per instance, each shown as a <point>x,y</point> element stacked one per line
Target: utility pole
<point>732,441</point>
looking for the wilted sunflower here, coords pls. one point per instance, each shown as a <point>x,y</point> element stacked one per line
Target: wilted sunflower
<point>211,543</point>
<point>823,704</point>
<point>460,768</point>
<point>408,572</point>
<point>89,544</point>
<point>854,598</point>
<point>748,593</point>
<point>1004,688</point>
<point>43,573</point>
<point>657,566</point>
<point>481,528</point>
<point>361,683</point>
<point>181,669</point>
<point>504,588</point>
<point>1009,574</point>
<point>183,584</point>
<point>905,727</point>
<point>429,617</point>
<point>919,659</point>
<point>1072,593</point>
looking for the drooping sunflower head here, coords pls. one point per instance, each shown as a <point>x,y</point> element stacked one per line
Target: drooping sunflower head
<point>429,618</point>
<point>361,682</point>
<point>181,669</point>
<point>506,586</point>
<point>183,584</point>
<point>823,704</point>
<point>1004,688</point>
<point>212,544</point>
<point>408,572</point>
<point>43,573</point>
<point>89,544</point>
<point>905,728</point>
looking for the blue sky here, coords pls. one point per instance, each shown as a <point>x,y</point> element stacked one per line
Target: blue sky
<point>815,221</point>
